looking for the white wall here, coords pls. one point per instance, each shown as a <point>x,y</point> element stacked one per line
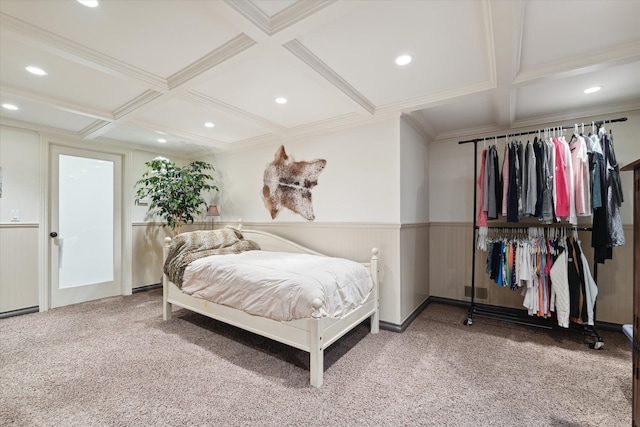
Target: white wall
<point>20,163</point>
<point>414,175</point>
<point>360,182</point>
<point>451,169</point>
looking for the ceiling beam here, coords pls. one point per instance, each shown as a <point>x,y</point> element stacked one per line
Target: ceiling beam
<point>505,25</point>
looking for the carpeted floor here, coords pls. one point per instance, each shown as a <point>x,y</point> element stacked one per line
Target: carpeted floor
<point>114,362</point>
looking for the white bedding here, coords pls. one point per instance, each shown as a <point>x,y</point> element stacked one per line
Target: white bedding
<point>279,285</point>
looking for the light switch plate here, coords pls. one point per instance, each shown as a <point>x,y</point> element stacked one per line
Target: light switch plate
<point>15,215</point>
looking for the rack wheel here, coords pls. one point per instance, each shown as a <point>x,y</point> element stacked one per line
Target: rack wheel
<point>598,345</point>
<point>468,321</point>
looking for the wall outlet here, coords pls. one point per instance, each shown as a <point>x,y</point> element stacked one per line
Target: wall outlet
<point>15,215</point>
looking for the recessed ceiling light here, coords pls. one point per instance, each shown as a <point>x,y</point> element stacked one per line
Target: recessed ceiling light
<point>593,89</point>
<point>281,100</point>
<point>403,59</point>
<point>37,71</point>
<point>209,124</point>
<point>9,107</point>
<point>162,140</point>
<point>89,3</point>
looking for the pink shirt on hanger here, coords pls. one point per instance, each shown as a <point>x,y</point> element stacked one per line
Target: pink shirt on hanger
<point>562,188</point>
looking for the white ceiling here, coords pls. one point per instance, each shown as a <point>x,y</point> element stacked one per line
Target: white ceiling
<point>136,71</point>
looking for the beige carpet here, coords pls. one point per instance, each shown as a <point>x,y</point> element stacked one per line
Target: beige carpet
<point>114,362</point>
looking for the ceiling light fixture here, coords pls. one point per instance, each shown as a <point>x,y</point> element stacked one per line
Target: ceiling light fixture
<point>403,59</point>
<point>281,100</point>
<point>593,89</point>
<point>209,124</point>
<point>9,107</point>
<point>37,71</point>
<point>89,3</point>
<point>162,140</point>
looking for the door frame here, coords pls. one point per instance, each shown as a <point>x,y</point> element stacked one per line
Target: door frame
<point>126,194</point>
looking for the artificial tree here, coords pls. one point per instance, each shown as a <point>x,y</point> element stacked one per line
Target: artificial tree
<point>175,192</point>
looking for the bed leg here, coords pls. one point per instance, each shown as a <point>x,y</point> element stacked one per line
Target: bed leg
<point>375,322</point>
<point>316,354</point>
<point>166,306</point>
<point>375,317</point>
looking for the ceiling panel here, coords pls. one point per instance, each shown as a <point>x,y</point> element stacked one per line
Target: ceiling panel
<point>468,113</point>
<point>66,80</point>
<point>620,86</point>
<point>149,138</point>
<point>180,115</point>
<point>254,85</point>
<point>161,37</point>
<point>560,30</point>
<point>43,114</point>
<point>362,46</point>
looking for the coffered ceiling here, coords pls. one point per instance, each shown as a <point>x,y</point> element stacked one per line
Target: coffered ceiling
<point>139,71</point>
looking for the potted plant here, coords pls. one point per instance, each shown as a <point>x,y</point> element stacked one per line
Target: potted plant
<point>174,192</point>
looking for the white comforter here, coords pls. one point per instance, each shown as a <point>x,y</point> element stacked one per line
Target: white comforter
<point>279,285</point>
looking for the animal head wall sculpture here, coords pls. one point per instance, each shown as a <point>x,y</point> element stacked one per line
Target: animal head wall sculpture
<point>288,184</point>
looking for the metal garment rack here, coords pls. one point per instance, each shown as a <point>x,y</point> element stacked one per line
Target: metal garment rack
<point>512,315</point>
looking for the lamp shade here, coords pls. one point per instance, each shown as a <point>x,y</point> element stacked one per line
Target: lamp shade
<point>213,211</point>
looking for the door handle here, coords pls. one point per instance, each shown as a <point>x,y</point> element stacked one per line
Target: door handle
<point>53,234</point>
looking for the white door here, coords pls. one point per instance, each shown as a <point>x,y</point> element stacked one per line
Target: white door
<point>85,226</point>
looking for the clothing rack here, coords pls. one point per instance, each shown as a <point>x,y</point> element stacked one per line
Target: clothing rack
<point>531,132</point>
<point>516,315</point>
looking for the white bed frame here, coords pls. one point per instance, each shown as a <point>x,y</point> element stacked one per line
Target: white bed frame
<point>313,334</point>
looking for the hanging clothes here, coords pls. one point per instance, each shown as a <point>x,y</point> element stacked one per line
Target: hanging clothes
<point>553,274</point>
<point>581,176</point>
<point>607,224</point>
<point>482,214</point>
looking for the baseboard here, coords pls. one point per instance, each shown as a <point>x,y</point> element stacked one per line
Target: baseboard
<point>393,327</point>
<point>146,288</point>
<point>605,326</point>
<point>19,312</point>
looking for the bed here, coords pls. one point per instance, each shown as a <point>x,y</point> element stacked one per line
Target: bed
<point>312,333</point>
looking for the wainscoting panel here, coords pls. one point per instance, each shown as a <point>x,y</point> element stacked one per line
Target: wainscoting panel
<point>148,239</point>
<point>19,266</point>
<point>414,267</point>
<point>450,272</point>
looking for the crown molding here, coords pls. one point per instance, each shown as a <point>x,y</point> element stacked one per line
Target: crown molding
<point>135,104</point>
<point>11,92</point>
<point>252,13</point>
<point>424,129</point>
<point>287,17</point>
<point>590,114</point>
<point>466,133</point>
<point>95,129</point>
<point>434,99</point>
<point>35,127</point>
<point>580,65</point>
<point>296,13</point>
<point>228,50</point>
<point>304,54</point>
<point>537,122</point>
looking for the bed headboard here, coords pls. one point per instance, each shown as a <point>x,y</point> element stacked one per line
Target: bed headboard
<point>271,242</point>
